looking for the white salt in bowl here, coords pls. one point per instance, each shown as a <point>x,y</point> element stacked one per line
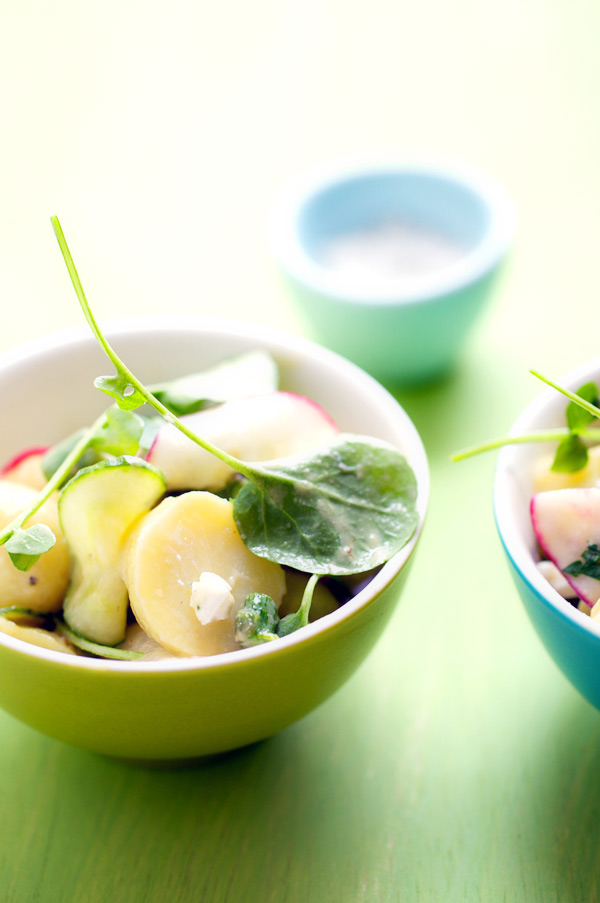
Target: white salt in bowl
<point>391,264</point>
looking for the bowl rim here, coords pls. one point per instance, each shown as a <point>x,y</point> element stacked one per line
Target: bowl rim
<point>274,340</point>
<point>478,262</point>
<point>548,405</point>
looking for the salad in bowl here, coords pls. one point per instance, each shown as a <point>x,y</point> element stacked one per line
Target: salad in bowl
<point>547,511</point>
<point>202,546</point>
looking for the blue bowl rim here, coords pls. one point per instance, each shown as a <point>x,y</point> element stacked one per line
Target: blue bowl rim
<point>480,261</point>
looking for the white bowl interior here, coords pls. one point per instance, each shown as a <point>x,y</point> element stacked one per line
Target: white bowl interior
<point>48,391</point>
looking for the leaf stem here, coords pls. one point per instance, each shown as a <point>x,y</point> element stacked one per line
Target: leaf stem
<point>121,368</point>
<point>577,399</point>
<point>542,436</point>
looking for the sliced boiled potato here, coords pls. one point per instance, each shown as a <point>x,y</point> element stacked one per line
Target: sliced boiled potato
<point>137,640</point>
<point>169,549</point>
<point>43,587</point>
<point>544,478</point>
<point>37,636</point>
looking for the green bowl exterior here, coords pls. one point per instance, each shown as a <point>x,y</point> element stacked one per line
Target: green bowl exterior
<point>164,711</point>
<point>401,343</point>
<point>194,712</point>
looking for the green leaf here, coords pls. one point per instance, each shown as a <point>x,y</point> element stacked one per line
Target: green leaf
<point>127,396</point>
<point>571,455</point>
<point>26,545</point>
<point>55,455</point>
<point>120,433</point>
<point>254,373</point>
<point>577,417</point>
<point>346,508</point>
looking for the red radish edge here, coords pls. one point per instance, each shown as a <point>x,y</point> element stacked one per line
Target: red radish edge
<point>551,558</point>
<point>303,398</point>
<point>22,455</point>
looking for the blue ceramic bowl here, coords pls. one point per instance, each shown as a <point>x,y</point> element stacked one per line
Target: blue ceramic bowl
<point>571,637</point>
<point>391,264</point>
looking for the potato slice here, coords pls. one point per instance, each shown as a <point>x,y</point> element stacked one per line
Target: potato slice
<point>43,586</point>
<point>37,636</point>
<point>136,640</point>
<point>168,550</point>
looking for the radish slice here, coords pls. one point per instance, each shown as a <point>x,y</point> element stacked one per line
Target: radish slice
<point>26,467</point>
<point>260,428</point>
<point>566,522</point>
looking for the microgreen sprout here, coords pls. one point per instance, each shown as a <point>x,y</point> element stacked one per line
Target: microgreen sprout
<point>319,512</point>
<point>571,453</point>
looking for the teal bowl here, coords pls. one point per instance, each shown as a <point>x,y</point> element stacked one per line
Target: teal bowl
<point>391,264</point>
<point>186,708</point>
<point>570,636</point>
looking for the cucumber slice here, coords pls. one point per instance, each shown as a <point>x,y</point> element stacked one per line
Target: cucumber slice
<point>128,655</point>
<point>96,509</point>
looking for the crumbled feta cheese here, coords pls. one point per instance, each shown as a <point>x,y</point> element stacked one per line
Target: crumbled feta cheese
<point>211,598</point>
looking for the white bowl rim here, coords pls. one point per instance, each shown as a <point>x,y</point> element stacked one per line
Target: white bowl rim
<point>274,338</point>
<point>482,259</point>
<point>508,462</point>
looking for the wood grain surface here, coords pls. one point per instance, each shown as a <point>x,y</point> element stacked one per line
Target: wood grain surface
<point>457,764</point>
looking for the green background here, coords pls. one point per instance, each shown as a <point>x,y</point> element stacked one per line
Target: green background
<point>457,764</point>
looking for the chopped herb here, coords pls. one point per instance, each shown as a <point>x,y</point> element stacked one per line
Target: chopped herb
<point>258,620</point>
<point>588,565</point>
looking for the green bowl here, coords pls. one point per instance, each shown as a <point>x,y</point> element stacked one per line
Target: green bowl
<point>189,708</point>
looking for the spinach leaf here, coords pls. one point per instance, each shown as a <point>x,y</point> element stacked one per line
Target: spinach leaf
<point>346,508</point>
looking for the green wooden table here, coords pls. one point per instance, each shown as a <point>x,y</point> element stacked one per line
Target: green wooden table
<point>457,764</point>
